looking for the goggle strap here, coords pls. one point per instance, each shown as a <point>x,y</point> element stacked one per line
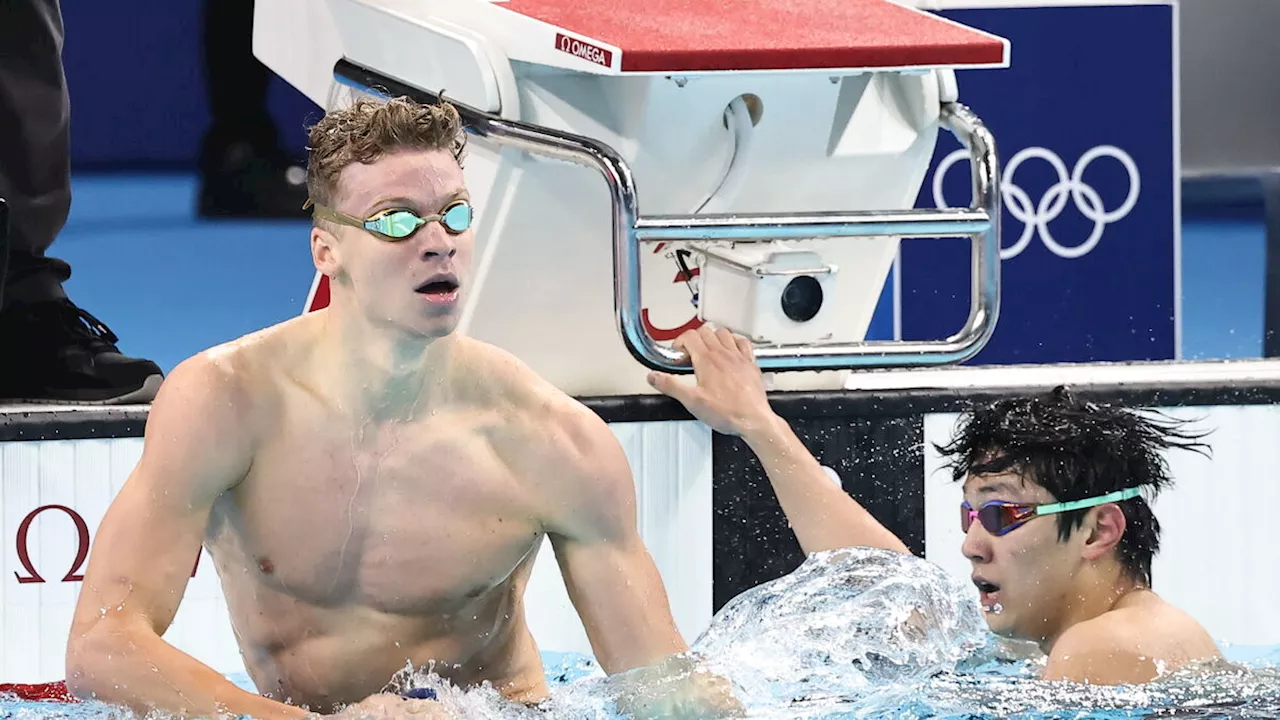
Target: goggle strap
<point>1088,502</point>
<point>327,213</point>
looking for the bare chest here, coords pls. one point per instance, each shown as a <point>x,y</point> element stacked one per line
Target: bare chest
<point>404,519</point>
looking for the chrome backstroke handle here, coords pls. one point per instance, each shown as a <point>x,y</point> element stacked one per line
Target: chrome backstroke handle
<point>980,222</point>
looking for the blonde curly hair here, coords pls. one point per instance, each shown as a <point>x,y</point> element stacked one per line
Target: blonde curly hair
<point>370,128</point>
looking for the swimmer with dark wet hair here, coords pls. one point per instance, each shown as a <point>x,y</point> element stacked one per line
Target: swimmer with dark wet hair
<point>1057,528</point>
<point>373,487</point>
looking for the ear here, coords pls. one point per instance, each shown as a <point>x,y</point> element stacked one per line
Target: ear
<point>1104,526</point>
<point>325,252</point>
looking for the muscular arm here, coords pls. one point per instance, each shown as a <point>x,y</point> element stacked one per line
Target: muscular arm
<point>610,575</point>
<point>197,445</point>
<point>612,579</point>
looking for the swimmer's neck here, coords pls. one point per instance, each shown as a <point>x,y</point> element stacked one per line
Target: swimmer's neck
<point>1098,590</point>
<point>383,374</point>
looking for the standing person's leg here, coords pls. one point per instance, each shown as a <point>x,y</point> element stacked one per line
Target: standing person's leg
<point>243,169</point>
<point>35,161</point>
<point>50,350</point>
<point>4,246</point>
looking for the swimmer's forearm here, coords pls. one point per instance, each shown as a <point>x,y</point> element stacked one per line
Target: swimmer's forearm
<point>822,515</point>
<point>143,672</point>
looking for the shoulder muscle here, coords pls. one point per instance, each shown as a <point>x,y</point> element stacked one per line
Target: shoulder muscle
<point>200,427</point>
<point>581,472</point>
<point>1101,653</point>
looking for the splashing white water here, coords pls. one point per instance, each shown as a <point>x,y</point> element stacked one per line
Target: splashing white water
<point>844,623</point>
<point>851,633</point>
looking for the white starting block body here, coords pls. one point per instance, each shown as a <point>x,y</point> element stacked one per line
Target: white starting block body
<point>725,133</point>
<point>598,169</point>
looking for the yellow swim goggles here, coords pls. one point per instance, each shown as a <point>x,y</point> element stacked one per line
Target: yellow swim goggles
<point>399,223</point>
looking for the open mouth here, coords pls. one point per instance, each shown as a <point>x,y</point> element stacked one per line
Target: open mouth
<point>989,598</point>
<point>442,288</point>
<point>985,586</point>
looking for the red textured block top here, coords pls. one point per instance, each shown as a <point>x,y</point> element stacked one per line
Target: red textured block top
<point>708,35</point>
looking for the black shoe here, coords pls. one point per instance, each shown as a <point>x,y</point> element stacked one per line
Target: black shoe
<point>55,352</point>
<point>243,181</point>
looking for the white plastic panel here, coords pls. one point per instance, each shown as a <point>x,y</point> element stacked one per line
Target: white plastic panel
<point>302,40</point>
<point>35,617</point>
<point>1220,555</point>
<point>405,41</point>
<point>299,41</point>
<point>546,229</point>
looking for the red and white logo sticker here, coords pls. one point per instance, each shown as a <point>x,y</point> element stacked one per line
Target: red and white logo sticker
<point>584,50</point>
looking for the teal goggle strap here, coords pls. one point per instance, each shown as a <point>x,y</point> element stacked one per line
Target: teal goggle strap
<point>1087,502</point>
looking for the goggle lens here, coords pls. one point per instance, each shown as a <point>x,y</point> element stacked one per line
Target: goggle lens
<point>400,224</point>
<point>997,518</point>
<point>457,217</point>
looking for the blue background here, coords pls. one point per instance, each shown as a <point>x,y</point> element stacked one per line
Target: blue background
<point>138,100</point>
<point>1080,78</point>
<point>171,284</point>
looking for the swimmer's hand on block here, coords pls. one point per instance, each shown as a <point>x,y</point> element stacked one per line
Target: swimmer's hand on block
<point>730,392</point>
<point>730,396</point>
<point>416,704</point>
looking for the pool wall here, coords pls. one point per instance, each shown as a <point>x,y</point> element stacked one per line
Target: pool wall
<point>704,507</point>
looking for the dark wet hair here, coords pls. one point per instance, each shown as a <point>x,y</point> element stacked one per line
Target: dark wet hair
<point>1077,450</point>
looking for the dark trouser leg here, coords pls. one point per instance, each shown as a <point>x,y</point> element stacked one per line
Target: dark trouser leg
<point>4,246</point>
<point>35,163</point>
<point>236,81</point>
<point>244,171</point>
<point>50,350</point>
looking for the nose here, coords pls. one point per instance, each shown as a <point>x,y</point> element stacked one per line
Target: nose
<point>436,243</point>
<point>977,544</point>
<point>433,254</point>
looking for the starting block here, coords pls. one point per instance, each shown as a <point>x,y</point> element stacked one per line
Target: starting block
<point>675,144</point>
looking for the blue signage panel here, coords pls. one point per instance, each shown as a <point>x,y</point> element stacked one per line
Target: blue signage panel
<point>1084,123</point>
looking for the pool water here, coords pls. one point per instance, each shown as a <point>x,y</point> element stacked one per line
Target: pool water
<point>855,633</point>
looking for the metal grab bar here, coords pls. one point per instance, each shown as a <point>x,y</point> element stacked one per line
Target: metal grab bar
<point>980,222</point>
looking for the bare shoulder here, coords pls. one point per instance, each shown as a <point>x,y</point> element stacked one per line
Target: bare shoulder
<point>1102,651</point>
<point>1135,643</point>
<point>511,384</point>
<point>233,372</point>
<point>217,397</point>
<point>565,447</point>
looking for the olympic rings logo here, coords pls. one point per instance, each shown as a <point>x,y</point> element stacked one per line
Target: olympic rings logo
<point>1035,218</point>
